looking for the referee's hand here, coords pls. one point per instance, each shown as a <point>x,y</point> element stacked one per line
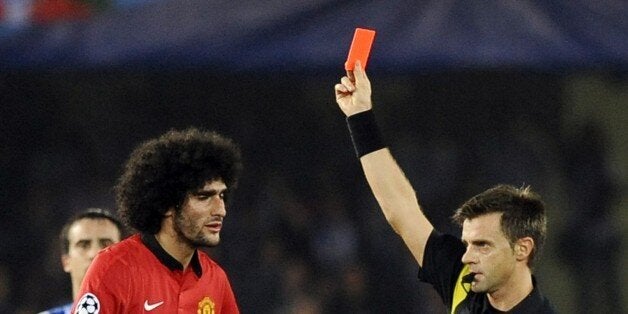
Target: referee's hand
<point>353,93</point>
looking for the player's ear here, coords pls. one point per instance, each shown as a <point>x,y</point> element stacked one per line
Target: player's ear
<point>65,261</point>
<point>523,248</point>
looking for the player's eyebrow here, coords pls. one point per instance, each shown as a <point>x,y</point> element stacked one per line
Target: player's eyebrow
<point>207,192</point>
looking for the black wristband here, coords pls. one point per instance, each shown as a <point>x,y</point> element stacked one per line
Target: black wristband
<point>364,133</point>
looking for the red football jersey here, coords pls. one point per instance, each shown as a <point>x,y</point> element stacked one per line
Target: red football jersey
<point>138,276</point>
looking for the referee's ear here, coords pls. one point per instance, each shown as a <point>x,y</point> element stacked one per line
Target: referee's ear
<point>523,248</point>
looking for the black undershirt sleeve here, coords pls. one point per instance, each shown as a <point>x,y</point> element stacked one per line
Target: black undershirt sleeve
<point>442,263</point>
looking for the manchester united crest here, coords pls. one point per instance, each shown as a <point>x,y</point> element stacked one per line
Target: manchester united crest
<point>206,306</point>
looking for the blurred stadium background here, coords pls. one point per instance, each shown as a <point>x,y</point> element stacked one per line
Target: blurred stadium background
<point>469,94</point>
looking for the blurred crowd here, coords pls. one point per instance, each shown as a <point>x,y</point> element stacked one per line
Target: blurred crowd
<point>16,15</point>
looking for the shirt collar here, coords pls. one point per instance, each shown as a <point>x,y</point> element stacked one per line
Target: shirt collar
<point>532,301</point>
<point>530,304</point>
<point>151,243</point>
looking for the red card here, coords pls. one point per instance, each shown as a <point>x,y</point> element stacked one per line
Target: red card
<point>360,48</point>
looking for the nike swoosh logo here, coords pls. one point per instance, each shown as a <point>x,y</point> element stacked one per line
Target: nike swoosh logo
<point>150,307</point>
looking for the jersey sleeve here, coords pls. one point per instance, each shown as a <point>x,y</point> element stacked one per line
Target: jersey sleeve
<point>229,305</point>
<point>442,263</point>
<point>101,288</point>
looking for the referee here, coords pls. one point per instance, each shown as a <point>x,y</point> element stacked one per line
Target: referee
<point>488,270</point>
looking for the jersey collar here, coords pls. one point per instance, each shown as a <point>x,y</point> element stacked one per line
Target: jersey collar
<point>532,303</point>
<point>167,259</point>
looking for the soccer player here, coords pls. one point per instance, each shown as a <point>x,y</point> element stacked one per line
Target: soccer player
<point>82,236</point>
<point>173,192</point>
<point>488,270</point>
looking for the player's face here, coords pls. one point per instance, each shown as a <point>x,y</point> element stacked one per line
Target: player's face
<point>488,254</point>
<point>199,221</point>
<point>86,237</point>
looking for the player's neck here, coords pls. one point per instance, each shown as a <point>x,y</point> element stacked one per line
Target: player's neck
<point>170,242</point>
<point>76,286</point>
<point>517,288</point>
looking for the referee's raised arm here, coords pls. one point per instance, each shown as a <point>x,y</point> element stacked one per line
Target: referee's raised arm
<point>391,188</point>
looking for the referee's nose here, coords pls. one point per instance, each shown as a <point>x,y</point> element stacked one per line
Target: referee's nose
<point>469,257</point>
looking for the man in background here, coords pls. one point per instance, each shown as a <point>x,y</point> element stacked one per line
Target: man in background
<point>83,235</point>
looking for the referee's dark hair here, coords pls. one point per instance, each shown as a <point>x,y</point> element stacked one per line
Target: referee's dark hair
<point>161,172</point>
<point>90,213</point>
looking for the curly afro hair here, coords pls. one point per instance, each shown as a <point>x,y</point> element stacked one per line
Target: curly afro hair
<point>161,171</point>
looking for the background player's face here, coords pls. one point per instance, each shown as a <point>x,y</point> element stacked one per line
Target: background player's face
<point>488,254</point>
<point>86,237</point>
<point>200,219</point>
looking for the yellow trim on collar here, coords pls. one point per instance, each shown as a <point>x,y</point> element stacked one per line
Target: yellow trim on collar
<point>460,290</point>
